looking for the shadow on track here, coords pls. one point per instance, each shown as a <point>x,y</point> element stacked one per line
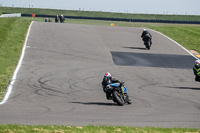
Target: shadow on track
<point>96,103</point>
<point>136,48</point>
<point>184,88</point>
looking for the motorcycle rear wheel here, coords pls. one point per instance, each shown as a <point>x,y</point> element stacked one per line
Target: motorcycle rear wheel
<point>148,45</point>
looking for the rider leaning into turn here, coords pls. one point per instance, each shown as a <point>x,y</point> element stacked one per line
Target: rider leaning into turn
<point>108,79</point>
<point>146,35</point>
<point>196,70</point>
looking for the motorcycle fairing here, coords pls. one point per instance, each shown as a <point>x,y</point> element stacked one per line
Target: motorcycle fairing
<point>115,85</point>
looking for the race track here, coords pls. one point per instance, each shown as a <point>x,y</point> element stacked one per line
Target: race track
<point>59,81</point>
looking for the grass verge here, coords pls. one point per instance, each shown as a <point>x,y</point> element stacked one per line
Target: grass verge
<point>90,129</point>
<point>12,36</point>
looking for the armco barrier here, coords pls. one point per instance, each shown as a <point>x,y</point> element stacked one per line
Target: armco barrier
<point>11,15</point>
<point>117,19</point>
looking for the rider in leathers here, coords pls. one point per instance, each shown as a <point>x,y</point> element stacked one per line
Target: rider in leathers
<point>196,70</point>
<point>146,35</point>
<point>57,19</point>
<point>108,79</point>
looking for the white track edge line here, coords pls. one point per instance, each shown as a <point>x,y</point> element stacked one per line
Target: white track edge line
<point>176,43</point>
<point>10,86</point>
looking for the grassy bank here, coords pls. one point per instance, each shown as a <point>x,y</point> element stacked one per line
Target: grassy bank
<point>99,14</point>
<point>12,36</point>
<point>90,129</point>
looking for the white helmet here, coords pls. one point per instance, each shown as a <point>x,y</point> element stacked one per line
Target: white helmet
<point>144,29</point>
<point>107,74</point>
<point>197,62</point>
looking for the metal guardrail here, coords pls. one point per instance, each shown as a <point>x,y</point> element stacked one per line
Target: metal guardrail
<point>11,15</point>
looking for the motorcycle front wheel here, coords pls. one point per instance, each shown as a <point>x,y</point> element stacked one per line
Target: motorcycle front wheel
<point>148,45</point>
<point>117,97</point>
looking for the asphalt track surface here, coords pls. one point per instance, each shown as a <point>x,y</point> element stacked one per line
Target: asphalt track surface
<point>59,81</point>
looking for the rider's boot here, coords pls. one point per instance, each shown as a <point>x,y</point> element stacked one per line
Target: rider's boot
<point>129,100</point>
<point>108,96</point>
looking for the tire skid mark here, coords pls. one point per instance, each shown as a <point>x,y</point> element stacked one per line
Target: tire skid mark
<point>74,85</point>
<point>40,91</point>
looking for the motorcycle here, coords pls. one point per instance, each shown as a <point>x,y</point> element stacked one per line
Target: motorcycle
<point>196,71</point>
<point>197,78</point>
<point>119,94</point>
<point>147,41</point>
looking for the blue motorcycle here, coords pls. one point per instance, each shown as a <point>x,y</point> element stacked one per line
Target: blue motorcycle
<point>119,94</point>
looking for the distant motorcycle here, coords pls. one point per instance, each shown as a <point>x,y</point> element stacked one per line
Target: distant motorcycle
<point>119,94</point>
<point>147,41</point>
<point>196,70</point>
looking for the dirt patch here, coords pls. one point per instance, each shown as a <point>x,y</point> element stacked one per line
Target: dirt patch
<point>194,52</point>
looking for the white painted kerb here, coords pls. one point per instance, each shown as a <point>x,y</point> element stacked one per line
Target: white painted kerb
<point>10,86</point>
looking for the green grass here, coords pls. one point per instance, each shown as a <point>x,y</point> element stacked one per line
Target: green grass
<point>12,36</point>
<point>99,14</point>
<point>186,35</point>
<point>90,129</point>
